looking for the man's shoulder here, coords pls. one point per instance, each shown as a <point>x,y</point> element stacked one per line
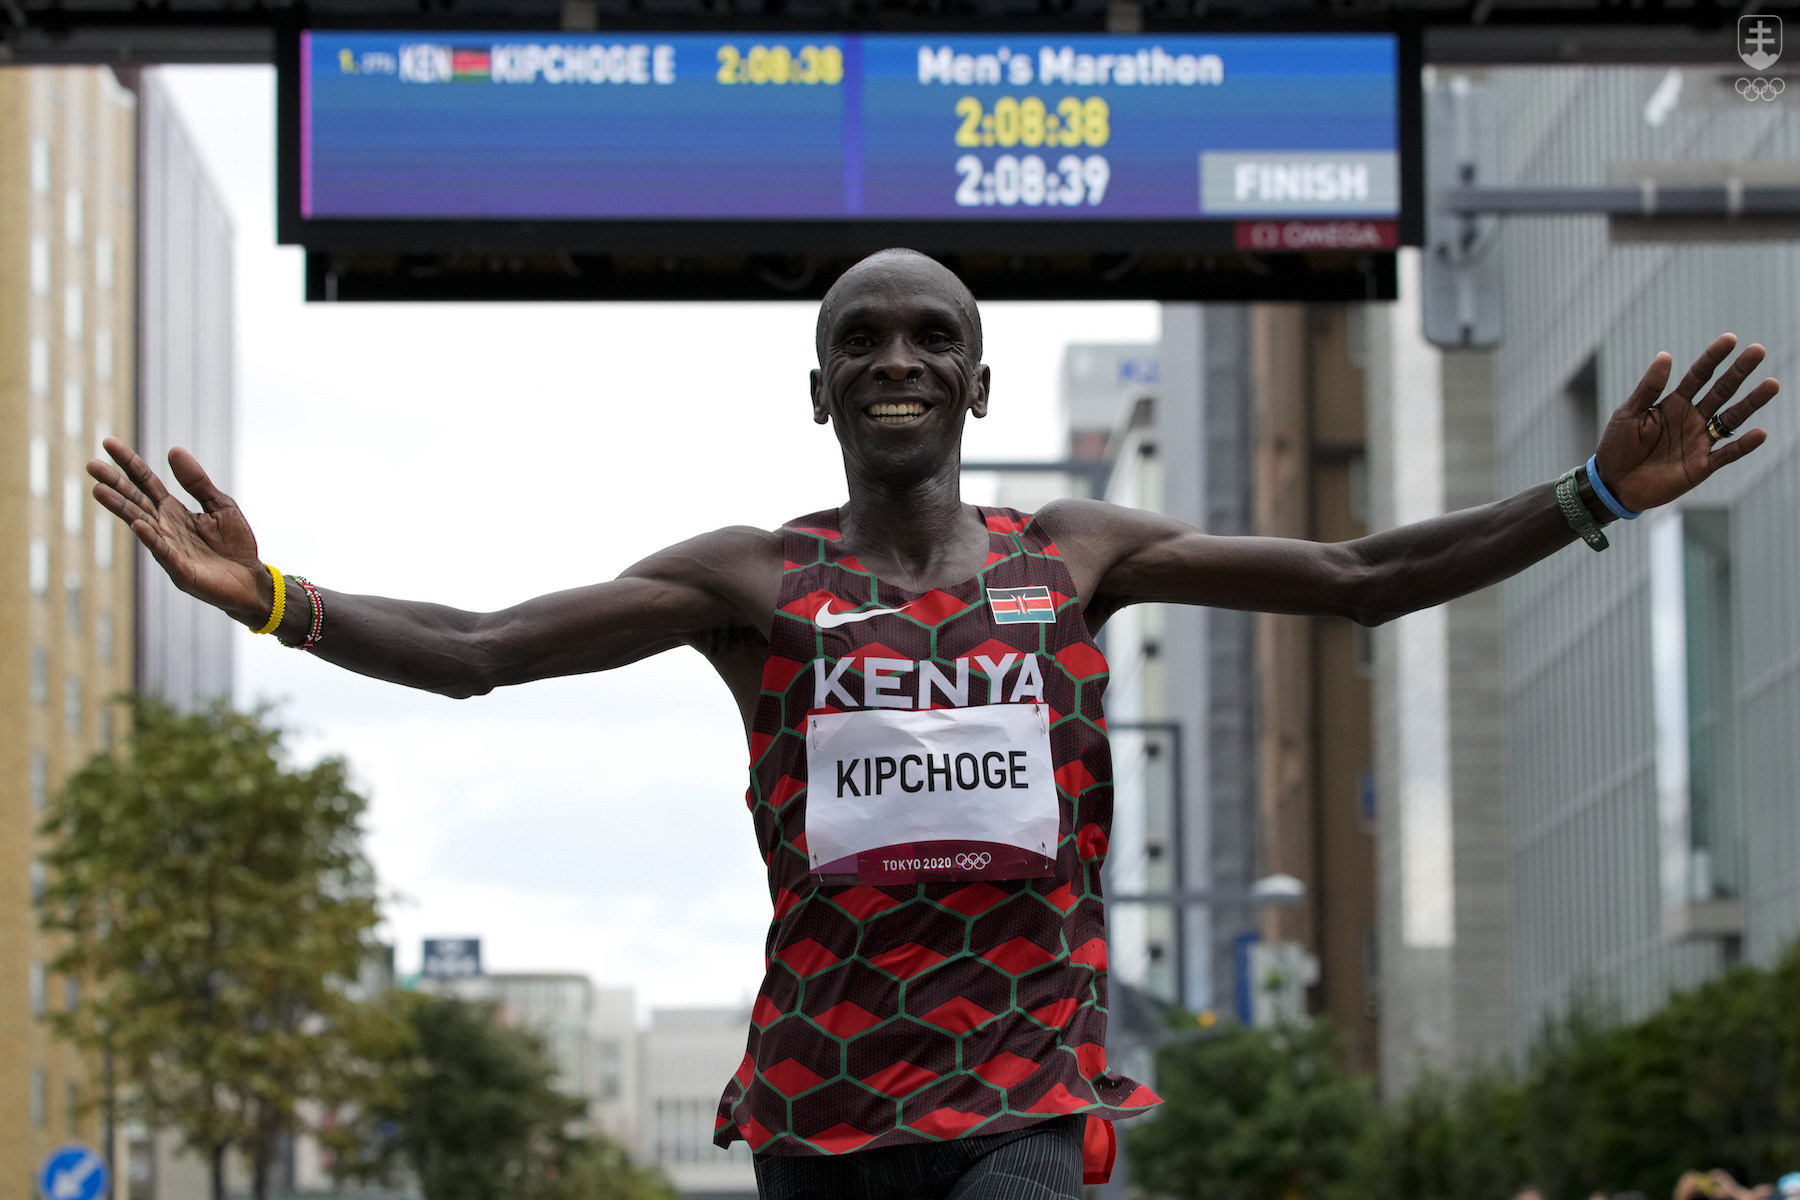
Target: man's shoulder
<point>1070,519</point>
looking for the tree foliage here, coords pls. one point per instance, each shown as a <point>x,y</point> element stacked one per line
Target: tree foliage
<point>1710,1080</point>
<point>1251,1115</point>
<point>215,903</point>
<point>474,1114</point>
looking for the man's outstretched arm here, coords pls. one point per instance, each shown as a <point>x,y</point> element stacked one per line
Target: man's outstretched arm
<point>1651,452</point>
<point>675,597</point>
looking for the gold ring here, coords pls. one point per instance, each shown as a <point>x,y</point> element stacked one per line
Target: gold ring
<point>1717,428</point>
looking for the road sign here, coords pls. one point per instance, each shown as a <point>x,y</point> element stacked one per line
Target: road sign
<point>452,958</point>
<point>72,1173</point>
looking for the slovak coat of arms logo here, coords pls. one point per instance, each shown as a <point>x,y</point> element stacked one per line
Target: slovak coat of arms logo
<point>1759,40</point>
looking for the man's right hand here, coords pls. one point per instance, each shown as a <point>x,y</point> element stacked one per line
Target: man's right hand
<point>210,554</point>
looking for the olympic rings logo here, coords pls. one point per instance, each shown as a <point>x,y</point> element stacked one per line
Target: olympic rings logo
<point>973,862</point>
<point>1761,89</point>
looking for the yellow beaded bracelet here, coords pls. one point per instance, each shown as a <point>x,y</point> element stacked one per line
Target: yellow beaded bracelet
<point>280,608</point>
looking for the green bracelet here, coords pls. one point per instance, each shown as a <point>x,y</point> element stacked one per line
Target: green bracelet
<point>1576,513</point>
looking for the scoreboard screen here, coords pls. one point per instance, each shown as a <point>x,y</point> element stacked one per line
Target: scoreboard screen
<point>901,130</point>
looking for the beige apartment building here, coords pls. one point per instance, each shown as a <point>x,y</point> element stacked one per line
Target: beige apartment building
<point>67,330</point>
<point>115,317</point>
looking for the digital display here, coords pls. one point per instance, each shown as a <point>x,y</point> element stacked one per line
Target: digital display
<point>848,127</point>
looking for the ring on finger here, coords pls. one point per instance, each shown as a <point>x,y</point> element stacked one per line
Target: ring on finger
<point>1716,427</point>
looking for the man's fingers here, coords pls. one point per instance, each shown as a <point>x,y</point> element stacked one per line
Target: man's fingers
<point>1741,412</point>
<point>109,475</point>
<point>1732,379</point>
<point>1704,366</point>
<point>119,505</point>
<point>1727,453</point>
<point>137,470</point>
<point>195,482</point>
<point>1651,385</point>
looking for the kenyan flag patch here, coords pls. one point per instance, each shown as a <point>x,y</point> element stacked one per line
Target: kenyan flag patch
<point>1017,606</point>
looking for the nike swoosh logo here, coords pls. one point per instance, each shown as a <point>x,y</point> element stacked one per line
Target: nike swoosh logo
<point>830,620</point>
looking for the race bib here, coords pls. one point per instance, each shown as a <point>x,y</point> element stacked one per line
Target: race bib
<point>942,794</point>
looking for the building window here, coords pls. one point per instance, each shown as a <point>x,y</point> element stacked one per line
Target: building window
<point>38,465</point>
<point>40,164</point>
<point>72,311</point>
<point>72,705</point>
<point>40,1096</point>
<point>104,733</point>
<point>40,265</point>
<point>1581,412</point>
<point>40,879</point>
<point>40,778</point>
<point>1693,653</point>
<point>103,355</point>
<point>35,981</point>
<point>72,215</point>
<point>71,993</point>
<point>72,405</point>
<point>37,565</point>
<point>74,497</point>
<point>103,542</point>
<point>72,602</point>
<point>40,366</point>
<point>72,1107</point>
<point>40,675</point>
<point>103,633</point>
<point>103,263</point>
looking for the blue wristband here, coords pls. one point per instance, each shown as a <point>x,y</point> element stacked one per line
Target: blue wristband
<point>1606,497</point>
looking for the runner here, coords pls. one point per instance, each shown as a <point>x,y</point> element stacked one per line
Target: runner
<point>920,689</point>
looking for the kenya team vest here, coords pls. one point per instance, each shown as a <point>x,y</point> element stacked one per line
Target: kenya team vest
<point>945,1005</point>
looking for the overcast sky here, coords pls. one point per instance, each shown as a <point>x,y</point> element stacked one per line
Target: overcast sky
<point>479,454</point>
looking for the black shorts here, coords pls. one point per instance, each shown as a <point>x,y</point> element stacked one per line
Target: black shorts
<point>1038,1162</point>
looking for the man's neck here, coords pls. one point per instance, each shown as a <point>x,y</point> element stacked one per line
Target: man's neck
<point>918,532</point>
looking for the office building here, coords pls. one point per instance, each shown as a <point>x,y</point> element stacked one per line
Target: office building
<point>1588,774</point>
<point>186,383</point>
<point>685,1057</point>
<point>1653,690</point>
<point>67,332</point>
<point>1439,795</point>
<point>1312,692</point>
<point>79,256</point>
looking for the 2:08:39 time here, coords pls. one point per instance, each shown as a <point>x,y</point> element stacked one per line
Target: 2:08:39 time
<point>1029,181</point>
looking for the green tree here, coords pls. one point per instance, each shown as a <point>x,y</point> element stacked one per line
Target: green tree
<point>1711,1079</point>
<point>215,903</point>
<point>473,1114</point>
<point>1439,1142</point>
<point>1251,1115</point>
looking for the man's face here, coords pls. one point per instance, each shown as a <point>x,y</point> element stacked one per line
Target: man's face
<point>899,368</point>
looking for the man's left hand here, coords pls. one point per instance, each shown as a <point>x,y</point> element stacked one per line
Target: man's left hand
<point>1653,451</point>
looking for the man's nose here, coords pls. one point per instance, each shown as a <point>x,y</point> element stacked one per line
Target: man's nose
<point>897,361</point>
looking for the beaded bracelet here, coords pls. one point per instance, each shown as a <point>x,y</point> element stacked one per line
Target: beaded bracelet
<point>318,615</point>
<point>280,608</point>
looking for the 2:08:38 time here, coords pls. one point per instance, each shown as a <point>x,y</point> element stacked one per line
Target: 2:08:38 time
<point>1029,181</point>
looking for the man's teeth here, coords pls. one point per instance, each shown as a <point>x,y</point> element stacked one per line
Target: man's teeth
<point>896,414</point>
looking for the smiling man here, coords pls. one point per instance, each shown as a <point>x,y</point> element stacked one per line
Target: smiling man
<point>930,781</point>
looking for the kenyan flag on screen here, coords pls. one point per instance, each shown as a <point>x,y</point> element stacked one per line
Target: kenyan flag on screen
<point>1015,606</point>
<point>468,65</point>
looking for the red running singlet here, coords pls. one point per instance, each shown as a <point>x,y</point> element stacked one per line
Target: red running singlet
<point>926,1011</point>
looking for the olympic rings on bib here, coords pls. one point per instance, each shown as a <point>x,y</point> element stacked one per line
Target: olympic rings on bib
<point>1761,89</point>
<point>973,862</point>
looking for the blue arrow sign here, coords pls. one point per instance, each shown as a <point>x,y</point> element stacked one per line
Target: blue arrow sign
<point>72,1173</point>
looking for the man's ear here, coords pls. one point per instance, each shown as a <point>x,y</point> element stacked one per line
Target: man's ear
<point>979,405</point>
<point>821,414</point>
